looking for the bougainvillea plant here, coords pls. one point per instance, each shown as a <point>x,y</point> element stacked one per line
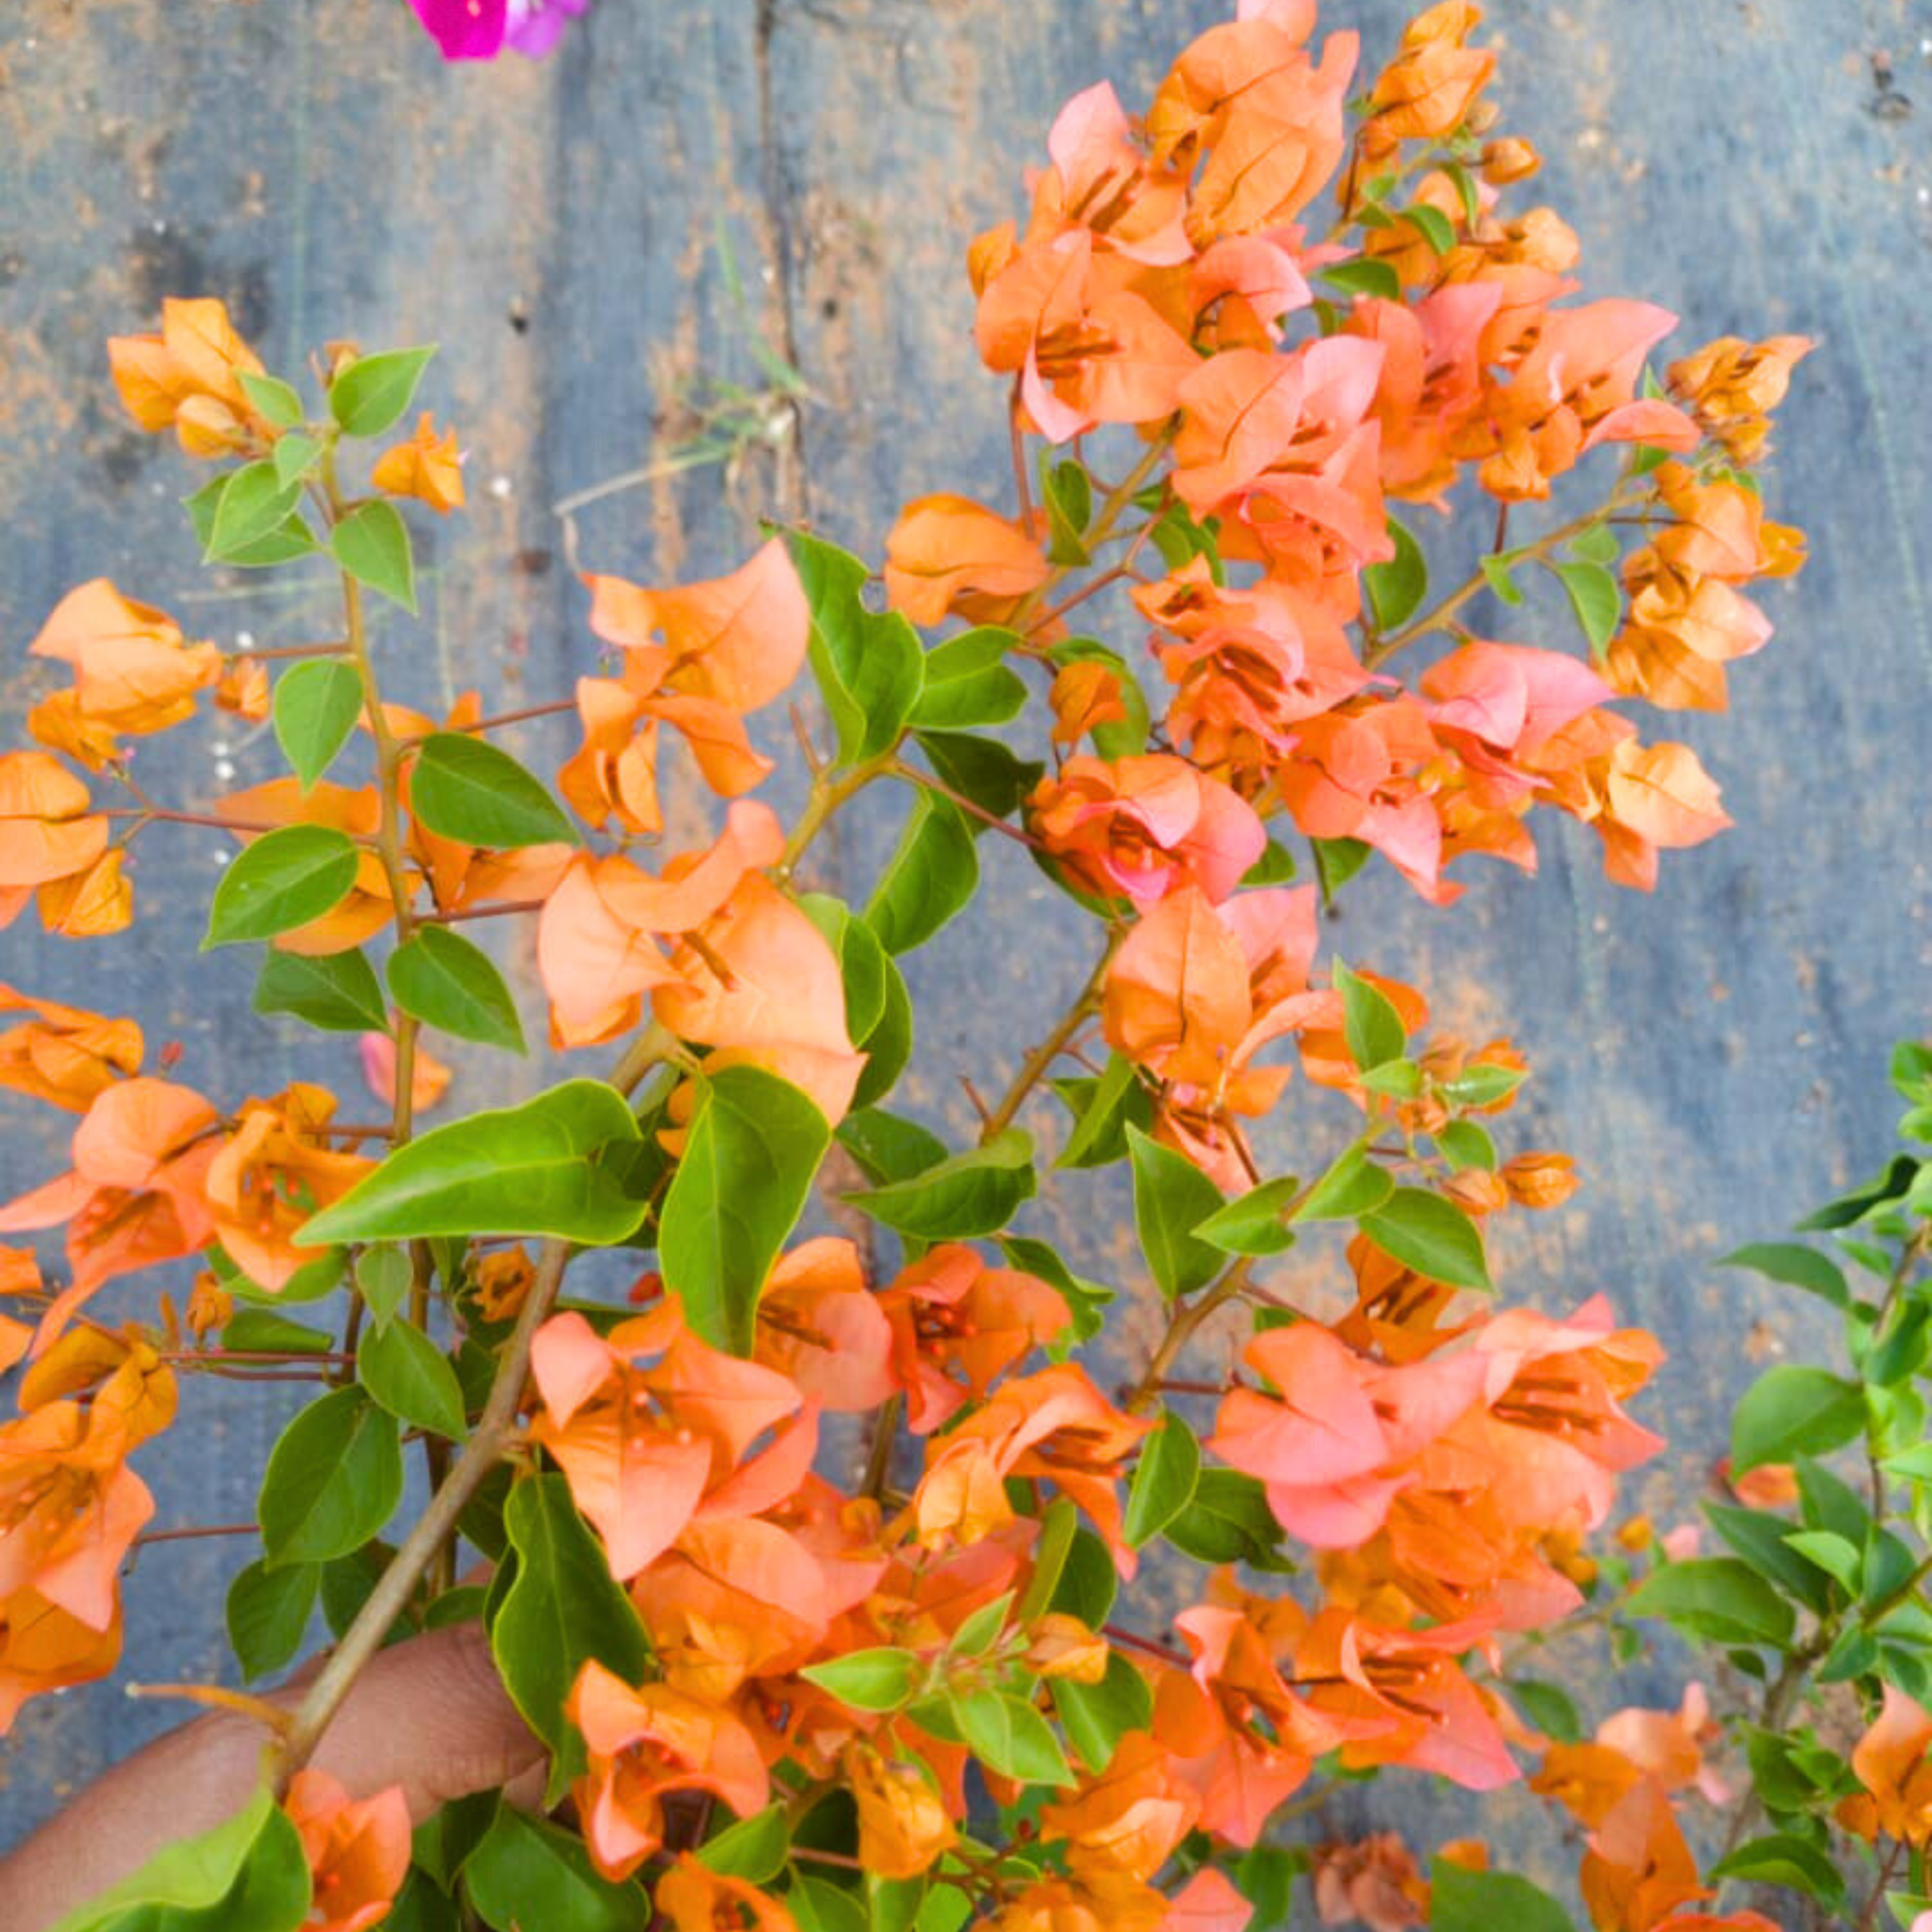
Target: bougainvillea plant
<point>1270,349</point>
<point>482,29</point>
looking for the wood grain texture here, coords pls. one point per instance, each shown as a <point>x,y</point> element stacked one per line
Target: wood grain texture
<point>1716,1052</point>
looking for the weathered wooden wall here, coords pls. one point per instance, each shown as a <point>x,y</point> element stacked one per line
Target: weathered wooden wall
<point>1716,1052</point>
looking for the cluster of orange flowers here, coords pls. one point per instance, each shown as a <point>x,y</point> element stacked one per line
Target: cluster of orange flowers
<point>1443,1466</point>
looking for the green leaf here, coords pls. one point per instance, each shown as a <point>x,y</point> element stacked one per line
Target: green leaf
<point>1008,1736</point>
<point>383,1276</point>
<point>1067,491</point>
<point>408,1375</point>
<point>338,992</point>
<point>1107,1107</point>
<point>1717,1598</point>
<point>969,683</point>
<point>562,1608</point>
<point>1433,1236</point>
<point>1496,573</point>
<point>741,1184</point>
<point>1850,1209</point>
<point>1758,1537</point>
<point>1464,1145</point>
<point>1253,1223</point>
<point>1364,278</point>
<point>1438,230</point>
<point>252,502</point>
<point>1096,1717</point>
<point>1782,1858</point>
<point>1598,545</point>
<point>526,1873</point>
<point>263,1331</point>
<point>294,457</point>
<point>334,1479</point>
<point>1370,1021</point>
<point>1336,861</point>
<point>862,963</point>
<point>272,399</point>
<point>1843,1561</point>
<point>869,665</point>
<point>1396,589</point>
<point>753,1849</point>
<point>1228,1520</point>
<point>870,1680</point>
<point>1596,599</point>
<point>1171,1198</point>
<point>372,544</point>
<point>975,1192</point>
<point>248,1874</point>
<point>930,877</point>
<point>317,704</point>
<point>1796,1266</point>
<point>887,1147</point>
<point>1088,1582</point>
<point>1354,1185</point>
<point>1483,1086</point>
<point>462,787</point>
<point>1088,1300</point>
<point>981,1630</point>
<point>888,1046</point>
<point>1164,1480</point>
<point>284,880</point>
<point>269,1612</point>
<point>819,1906</point>
<point>371,394</point>
<point>982,769</point>
<point>1460,1901</point>
<point>531,1169</point>
<point>1793,1407</point>
<point>447,981</point>
<point>1548,1707</point>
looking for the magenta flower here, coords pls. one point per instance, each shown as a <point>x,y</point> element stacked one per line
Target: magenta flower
<point>481,29</point>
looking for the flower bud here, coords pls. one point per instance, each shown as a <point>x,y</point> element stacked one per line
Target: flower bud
<point>1062,1646</point>
<point>1509,159</point>
<point>1539,1180</point>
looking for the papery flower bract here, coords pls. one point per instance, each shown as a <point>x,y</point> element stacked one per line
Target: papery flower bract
<point>904,1825</point>
<point>948,555</point>
<point>695,1898</point>
<point>1374,1881</point>
<point>823,1328</point>
<point>49,832</point>
<point>428,467</point>
<point>62,1054</point>
<point>1893,1762</point>
<point>645,1421</point>
<point>1127,1818</point>
<point>188,377</point>
<point>358,1850</point>
<point>643,1744</point>
<point>1638,1870</point>
<point>1138,828</point>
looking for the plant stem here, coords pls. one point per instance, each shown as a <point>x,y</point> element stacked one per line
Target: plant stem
<point>1033,1068</point>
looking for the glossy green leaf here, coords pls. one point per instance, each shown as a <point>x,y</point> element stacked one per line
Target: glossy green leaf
<point>283,881</point>
<point>372,544</point>
<point>526,1873</point>
<point>1364,278</point>
<point>1396,589</point>
<point>1336,861</point>
<point>1432,1235</point>
<point>968,682</point>
<point>1008,1736</point>
<point>1717,1598</point>
<point>753,1849</point>
<point>532,1169</point>
<point>408,1375</point>
<point>1253,1223</point>
<point>887,1147</point>
<point>1757,1537</point>
<point>1460,1901</point>
<point>1106,1108</point>
<point>870,1680</point>
<point>869,664</point>
<point>317,704</point>
<point>1370,1023</point>
<point>1547,1706</point>
<point>1088,1582</point>
<point>982,769</point>
<point>1171,1198</point>
<point>1164,1480</point>
<point>1228,1520</point>
<point>294,457</point>
<point>1088,1300</point>
<point>253,502</point>
<point>930,878</point>
<point>1354,1185</point>
<point>338,992</point>
<point>1096,1717</point>
<point>973,1193</point>
<point>1783,1858</point>
<point>268,1613</point>
<point>1793,1407</point>
<point>888,1047</point>
<point>272,399</point>
<point>562,1609</point>
<point>248,1874</point>
<point>267,1331</point>
<point>373,393</point>
<point>1595,597</point>
<point>462,787</point>
<point>450,982</point>
<point>741,1184</point>
<point>1438,230</point>
<point>1794,1265</point>
<point>333,1479</point>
